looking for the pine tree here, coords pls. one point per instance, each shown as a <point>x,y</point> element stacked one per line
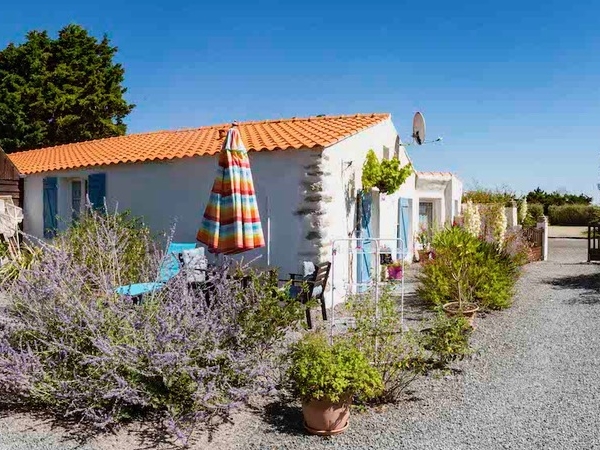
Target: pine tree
<point>58,91</point>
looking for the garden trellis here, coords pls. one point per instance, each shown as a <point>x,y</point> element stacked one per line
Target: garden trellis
<point>372,250</point>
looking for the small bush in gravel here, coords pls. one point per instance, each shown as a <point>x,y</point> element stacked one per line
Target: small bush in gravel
<point>487,272</point>
<point>447,340</point>
<point>68,344</point>
<point>395,353</point>
<point>496,279</point>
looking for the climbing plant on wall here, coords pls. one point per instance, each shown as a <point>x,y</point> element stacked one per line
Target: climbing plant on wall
<point>387,175</point>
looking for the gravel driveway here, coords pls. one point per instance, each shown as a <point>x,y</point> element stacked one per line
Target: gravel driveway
<point>534,382</point>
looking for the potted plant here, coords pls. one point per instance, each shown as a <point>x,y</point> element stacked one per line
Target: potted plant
<point>326,377</point>
<point>423,240</point>
<point>394,270</point>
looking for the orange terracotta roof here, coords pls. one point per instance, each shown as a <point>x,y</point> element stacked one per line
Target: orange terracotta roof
<point>434,174</point>
<point>311,132</point>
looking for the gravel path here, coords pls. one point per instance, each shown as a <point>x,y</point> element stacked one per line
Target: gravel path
<point>568,232</point>
<point>534,382</point>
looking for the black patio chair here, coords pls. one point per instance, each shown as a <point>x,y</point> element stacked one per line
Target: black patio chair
<point>305,288</point>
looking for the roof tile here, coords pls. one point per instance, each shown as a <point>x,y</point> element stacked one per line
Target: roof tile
<point>283,134</point>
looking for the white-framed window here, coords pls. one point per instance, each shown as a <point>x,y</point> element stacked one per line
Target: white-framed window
<point>386,152</point>
<point>78,194</point>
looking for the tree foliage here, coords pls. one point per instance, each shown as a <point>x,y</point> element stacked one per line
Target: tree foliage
<point>557,199</point>
<point>482,196</point>
<point>387,175</point>
<point>58,91</point>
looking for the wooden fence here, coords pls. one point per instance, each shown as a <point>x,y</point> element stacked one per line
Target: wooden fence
<point>535,237</point>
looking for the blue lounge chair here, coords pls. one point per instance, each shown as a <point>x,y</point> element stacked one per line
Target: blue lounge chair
<point>169,268</point>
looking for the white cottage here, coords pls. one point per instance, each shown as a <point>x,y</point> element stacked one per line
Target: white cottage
<point>307,172</point>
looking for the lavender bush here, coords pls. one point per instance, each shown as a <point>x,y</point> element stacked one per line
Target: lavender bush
<point>116,245</point>
<point>70,345</point>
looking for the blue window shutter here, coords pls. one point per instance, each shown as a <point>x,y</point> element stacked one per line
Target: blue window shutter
<point>97,189</point>
<point>50,193</point>
<point>364,246</point>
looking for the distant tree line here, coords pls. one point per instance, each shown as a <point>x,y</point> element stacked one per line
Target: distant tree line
<point>507,196</point>
<point>557,199</point>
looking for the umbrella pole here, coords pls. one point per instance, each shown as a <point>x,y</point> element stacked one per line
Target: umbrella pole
<point>268,232</point>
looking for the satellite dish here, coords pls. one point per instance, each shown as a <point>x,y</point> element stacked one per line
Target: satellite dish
<point>419,128</point>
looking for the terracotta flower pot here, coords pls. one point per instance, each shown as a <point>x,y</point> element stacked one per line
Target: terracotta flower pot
<point>469,310</point>
<point>324,418</point>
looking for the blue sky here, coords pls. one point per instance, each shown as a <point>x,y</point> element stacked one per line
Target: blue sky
<point>513,86</point>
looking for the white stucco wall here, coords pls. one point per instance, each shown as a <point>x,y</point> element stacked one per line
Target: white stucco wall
<point>163,192</point>
<point>346,178</point>
<point>457,192</point>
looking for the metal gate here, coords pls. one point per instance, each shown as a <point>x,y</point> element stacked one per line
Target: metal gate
<point>593,242</point>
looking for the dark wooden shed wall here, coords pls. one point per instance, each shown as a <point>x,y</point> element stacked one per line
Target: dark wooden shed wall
<point>10,181</point>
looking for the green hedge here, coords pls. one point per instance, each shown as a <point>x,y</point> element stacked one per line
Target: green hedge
<point>535,210</point>
<point>535,213</point>
<point>573,214</point>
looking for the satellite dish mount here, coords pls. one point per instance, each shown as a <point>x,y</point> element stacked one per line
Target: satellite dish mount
<point>419,128</point>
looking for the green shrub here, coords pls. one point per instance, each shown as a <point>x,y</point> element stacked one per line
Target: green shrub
<point>104,241</point>
<point>496,277</point>
<point>482,196</point>
<point>535,213</point>
<point>397,354</point>
<point>556,198</point>
<point>579,215</point>
<point>333,372</point>
<point>27,255</point>
<point>447,339</point>
<point>469,270</point>
<point>70,345</point>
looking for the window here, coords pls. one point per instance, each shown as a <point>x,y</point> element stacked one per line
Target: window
<point>397,148</point>
<point>78,197</point>
<point>426,215</point>
<point>75,199</point>
<point>386,152</point>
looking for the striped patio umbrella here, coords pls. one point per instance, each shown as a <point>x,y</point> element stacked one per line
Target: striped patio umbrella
<point>231,222</point>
